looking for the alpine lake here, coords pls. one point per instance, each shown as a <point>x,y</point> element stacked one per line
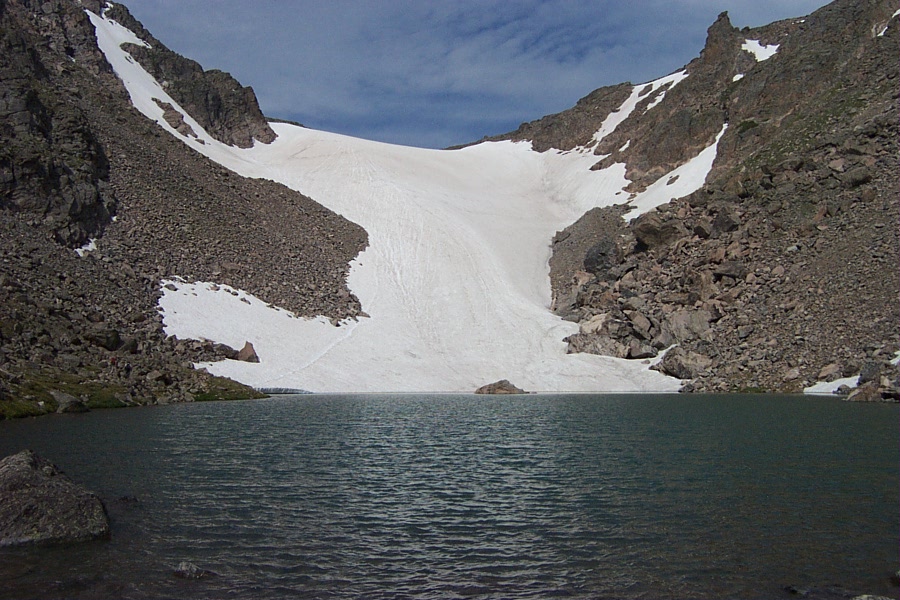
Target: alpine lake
<point>464,496</point>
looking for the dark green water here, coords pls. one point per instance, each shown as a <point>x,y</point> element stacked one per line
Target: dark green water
<point>475,497</point>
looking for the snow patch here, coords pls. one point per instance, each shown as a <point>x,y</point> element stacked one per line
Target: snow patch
<point>615,118</point>
<point>90,246</point>
<point>830,387</point>
<point>678,183</point>
<point>760,51</point>
<point>141,86</point>
<point>625,147</point>
<point>738,77</point>
<point>329,358</point>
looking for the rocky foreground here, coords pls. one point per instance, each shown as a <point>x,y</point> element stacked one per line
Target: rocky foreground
<point>40,505</point>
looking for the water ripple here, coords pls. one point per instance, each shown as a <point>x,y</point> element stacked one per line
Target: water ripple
<point>462,497</point>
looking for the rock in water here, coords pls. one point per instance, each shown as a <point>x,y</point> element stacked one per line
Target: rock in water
<point>188,570</point>
<point>40,505</point>
<point>500,387</point>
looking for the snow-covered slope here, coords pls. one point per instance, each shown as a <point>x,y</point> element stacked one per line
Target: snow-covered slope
<point>455,281</point>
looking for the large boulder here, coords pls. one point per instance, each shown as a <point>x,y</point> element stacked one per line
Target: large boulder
<point>651,231</point>
<point>40,505</point>
<point>683,364</point>
<point>500,387</point>
<point>688,324</point>
<point>247,353</point>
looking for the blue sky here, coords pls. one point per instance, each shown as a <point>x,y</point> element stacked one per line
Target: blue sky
<point>434,74</point>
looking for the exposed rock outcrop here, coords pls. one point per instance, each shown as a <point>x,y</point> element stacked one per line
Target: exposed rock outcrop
<point>247,353</point>
<point>54,172</point>
<point>500,387</point>
<point>40,505</point>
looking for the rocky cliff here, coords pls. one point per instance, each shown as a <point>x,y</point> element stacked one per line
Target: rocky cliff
<point>53,170</point>
<point>783,269</point>
<point>79,163</point>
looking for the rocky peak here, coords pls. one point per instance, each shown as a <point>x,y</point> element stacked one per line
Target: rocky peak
<point>719,40</point>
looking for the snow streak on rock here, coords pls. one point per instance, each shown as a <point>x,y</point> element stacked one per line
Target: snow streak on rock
<point>883,27</point>
<point>638,93</point>
<point>678,183</point>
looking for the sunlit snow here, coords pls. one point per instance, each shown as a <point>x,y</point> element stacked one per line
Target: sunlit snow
<point>758,50</point>
<point>884,28</point>
<point>830,387</point>
<point>90,246</point>
<point>684,180</point>
<point>455,279</point>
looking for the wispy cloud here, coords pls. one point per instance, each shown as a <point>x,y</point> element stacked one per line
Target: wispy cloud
<point>439,73</point>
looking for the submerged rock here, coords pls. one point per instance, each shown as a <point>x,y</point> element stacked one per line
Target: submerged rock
<point>188,570</point>
<point>40,505</point>
<point>500,387</point>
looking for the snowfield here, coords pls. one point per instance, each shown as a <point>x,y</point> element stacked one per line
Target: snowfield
<point>455,279</point>
<point>759,51</point>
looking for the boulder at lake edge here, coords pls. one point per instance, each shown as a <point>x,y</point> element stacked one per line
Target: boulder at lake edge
<point>500,387</point>
<point>40,505</point>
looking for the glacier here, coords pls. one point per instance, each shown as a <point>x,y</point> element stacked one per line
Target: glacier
<point>455,281</point>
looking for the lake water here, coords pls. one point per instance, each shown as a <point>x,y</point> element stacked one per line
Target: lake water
<point>574,496</point>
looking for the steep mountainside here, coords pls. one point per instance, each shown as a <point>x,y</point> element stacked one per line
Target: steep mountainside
<point>783,269</point>
<point>78,162</point>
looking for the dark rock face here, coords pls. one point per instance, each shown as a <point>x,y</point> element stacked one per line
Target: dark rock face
<point>40,505</point>
<point>227,110</point>
<point>500,387</point>
<point>53,170</point>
